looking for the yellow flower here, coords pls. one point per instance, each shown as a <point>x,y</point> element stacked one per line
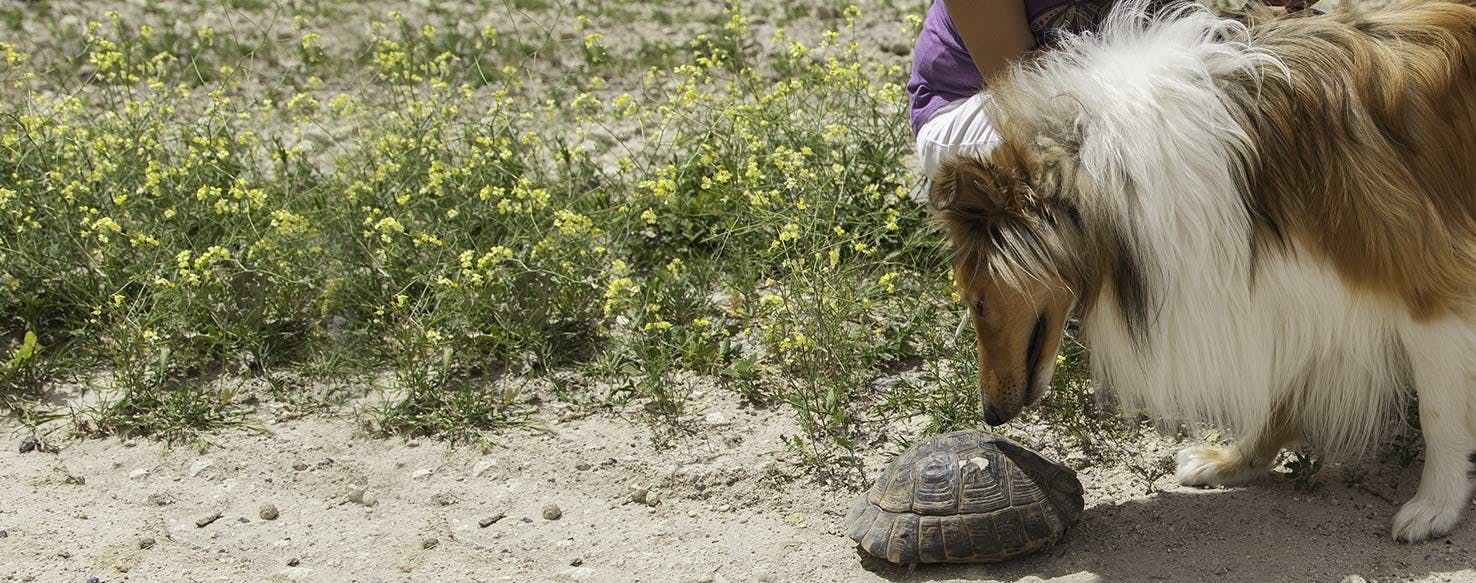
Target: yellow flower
<point>887,279</point>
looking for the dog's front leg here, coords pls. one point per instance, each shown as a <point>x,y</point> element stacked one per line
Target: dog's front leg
<point>1246,460</point>
<point>1441,356</point>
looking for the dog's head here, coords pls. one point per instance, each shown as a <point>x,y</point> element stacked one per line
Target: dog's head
<point>1019,250</point>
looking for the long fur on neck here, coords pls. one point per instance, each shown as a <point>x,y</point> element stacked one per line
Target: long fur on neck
<point>1290,197</point>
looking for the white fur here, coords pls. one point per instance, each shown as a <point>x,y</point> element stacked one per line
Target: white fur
<point>1231,334</point>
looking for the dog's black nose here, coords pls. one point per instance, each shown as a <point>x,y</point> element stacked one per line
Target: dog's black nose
<point>992,416</point>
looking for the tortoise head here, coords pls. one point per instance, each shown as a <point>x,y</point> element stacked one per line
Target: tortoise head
<point>1016,243</point>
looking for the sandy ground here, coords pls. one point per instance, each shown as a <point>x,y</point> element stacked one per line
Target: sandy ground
<point>733,508</point>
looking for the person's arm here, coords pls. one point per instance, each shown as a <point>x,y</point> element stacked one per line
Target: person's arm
<point>994,31</point>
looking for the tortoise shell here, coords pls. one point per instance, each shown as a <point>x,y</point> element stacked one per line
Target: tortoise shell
<point>965,497</point>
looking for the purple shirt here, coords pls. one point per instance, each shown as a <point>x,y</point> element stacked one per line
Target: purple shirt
<point>943,72</point>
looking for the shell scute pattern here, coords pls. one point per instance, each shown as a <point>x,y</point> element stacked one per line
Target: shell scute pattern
<point>966,496</point>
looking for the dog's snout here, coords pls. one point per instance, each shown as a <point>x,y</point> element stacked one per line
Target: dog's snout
<point>992,415</point>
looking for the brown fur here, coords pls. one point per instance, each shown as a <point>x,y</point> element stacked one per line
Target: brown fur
<point>1367,157</point>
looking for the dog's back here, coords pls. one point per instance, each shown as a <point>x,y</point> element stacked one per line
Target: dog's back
<point>1365,148</point>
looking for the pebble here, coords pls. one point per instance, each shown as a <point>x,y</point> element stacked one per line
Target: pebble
<point>363,497</point>
<point>204,522</point>
<point>653,499</point>
<point>4,534</point>
<point>637,494</point>
<point>1354,579</point>
<point>161,499</point>
<point>582,466</point>
<point>146,542</point>
<point>200,466</point>
<point>300,466</point>
<point>691,514</point>
<point>268,512</point>
<point>76,480</point>
<point>138,473</point>
<point>421,474</point>
<point>429,543</point>
<point>30,444</point>
<point>481,467</point>
<point>243,520</point>
<point>491,520</point>
<point>443,499</point>
<point>576,562</point>
<point>552,512</point>
<point>293,562</point>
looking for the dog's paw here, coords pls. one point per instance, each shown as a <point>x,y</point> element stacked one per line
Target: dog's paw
<point>1205,465</point>
<point>1422,519</point>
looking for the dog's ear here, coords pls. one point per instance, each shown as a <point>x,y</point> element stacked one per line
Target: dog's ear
<point>971,185</point>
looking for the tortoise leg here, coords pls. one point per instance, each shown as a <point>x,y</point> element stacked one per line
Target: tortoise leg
<point>1246,460</point>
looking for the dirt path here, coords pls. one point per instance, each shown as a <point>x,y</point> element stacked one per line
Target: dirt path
<point>732,509</point>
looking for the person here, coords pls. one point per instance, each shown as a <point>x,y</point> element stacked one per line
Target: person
<point>965,42</point>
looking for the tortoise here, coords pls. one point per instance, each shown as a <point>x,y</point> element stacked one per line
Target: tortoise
<point>965,497</point>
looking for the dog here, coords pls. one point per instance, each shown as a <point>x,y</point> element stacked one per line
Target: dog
<point>1270,227</point>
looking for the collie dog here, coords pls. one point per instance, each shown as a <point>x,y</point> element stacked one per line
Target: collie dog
<point>1271,228</point>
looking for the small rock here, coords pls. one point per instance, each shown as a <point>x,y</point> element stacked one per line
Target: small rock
<point>30,444</point>
<point>138,473</point>
<point>691,514</point>
<point>94,580</point>
<point>491,520</point>
<point>653,499</point>
<point>161,499</point>
<point>146,542</point>
<point>293,562</point>
<point>637,494</point>
<point>200,466</point>
<point>421,474</point>
<point>268,512</point>
<point>443,499</point>
<point>552,512</point>
<point>300,466</point>
<point>715,418</point>
<point>76,480</point>
<point>481,467</point>
<point>1354,579</point>
<point>725,508</point>
<point>363,497</point>
<point>204,522</point>
<point>578,573</point>
<point>4,534</point>
<point>429,543</point>
<point>243,520</point>
<point>576,562</point>
<point>582,466</point>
